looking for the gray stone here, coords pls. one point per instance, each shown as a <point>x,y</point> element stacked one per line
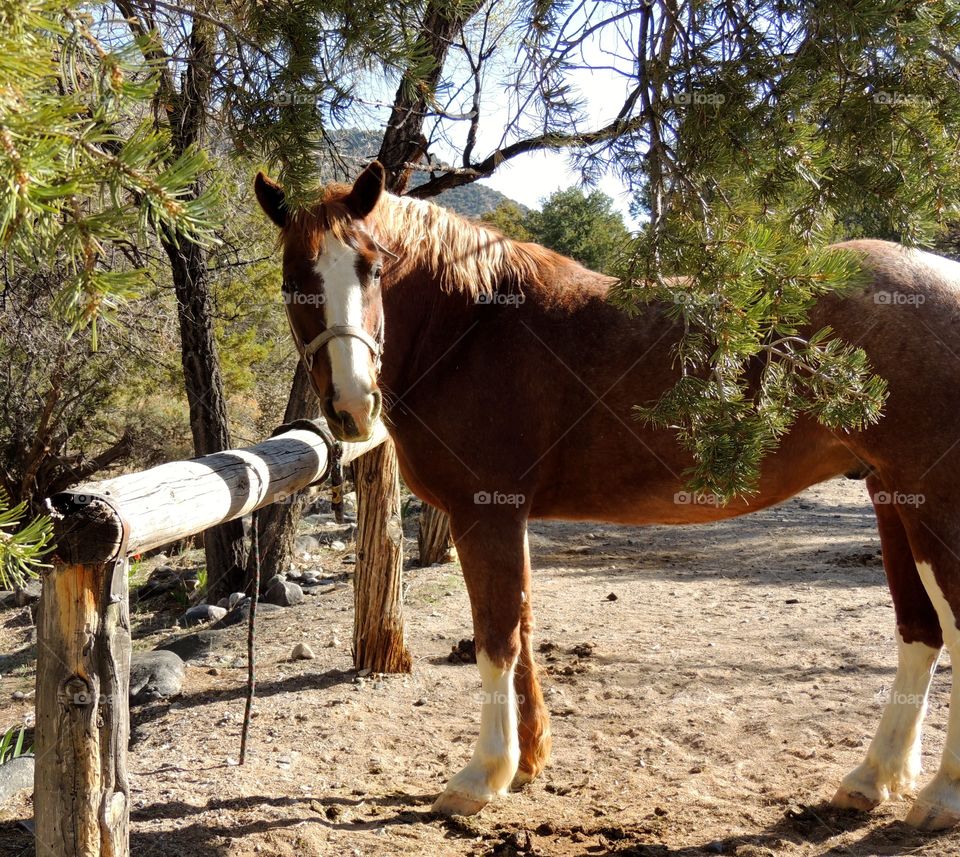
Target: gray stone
<point>15,776</point>
<point>28,594</point>
<point>166,578</point>
<point>242,610</point>
<point>283,593</point>
<point>307,544</point>
<point>302,652</point>
<point>201,613</point>
<point>337,545</point>
<point>235,599</point>
<point>200,644</point>
<point>155,675</point>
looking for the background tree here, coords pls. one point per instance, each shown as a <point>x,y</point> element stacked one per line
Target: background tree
<point>581,225</point>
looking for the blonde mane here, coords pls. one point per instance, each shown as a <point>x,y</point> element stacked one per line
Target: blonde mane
<point>465,256</point>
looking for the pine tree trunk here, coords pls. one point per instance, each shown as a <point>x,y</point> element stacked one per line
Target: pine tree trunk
<point>223,545</point>
<point>378,637</point>
<point>434,541</point>
<point>278,523</point>
<point>187,111</point>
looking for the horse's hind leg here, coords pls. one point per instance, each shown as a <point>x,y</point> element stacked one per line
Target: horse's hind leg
<point>893,759</point>
<point>492,553</point>
<point>934,534</point>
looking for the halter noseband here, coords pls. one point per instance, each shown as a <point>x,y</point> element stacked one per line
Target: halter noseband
<point>338,331</point>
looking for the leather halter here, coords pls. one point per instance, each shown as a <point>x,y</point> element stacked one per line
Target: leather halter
<point>340,331</point>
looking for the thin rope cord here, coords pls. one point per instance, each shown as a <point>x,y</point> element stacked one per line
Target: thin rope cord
<point>251,636</point>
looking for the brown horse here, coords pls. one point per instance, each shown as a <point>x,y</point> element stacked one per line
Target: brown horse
<point>508,382</point>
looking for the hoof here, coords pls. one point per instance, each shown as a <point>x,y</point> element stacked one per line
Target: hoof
<point>852,799</point>
<point>521,778</point>
<point>927,817</point>
<point>459,803</point>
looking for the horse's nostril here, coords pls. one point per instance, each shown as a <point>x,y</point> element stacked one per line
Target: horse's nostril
<point>348,424</point>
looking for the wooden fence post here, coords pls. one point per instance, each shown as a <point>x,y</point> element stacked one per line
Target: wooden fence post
<point>378,641</point>
<point>433,539</point>
<point>81,795</point>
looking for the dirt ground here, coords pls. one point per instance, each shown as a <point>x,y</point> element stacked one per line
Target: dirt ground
<point>711,708</point>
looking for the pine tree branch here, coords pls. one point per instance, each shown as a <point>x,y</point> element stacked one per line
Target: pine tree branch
<point>551,141</point>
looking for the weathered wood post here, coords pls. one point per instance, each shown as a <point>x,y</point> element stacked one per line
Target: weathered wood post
<point>81,796</point>
<point>378,638</point>
<point>434,542</point>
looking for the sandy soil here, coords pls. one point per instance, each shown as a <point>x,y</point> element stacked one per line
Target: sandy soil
<point>734,680</point>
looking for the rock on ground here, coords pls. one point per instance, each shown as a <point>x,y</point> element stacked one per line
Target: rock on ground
<point>242,610</point>
<point>155,675</point>
<point>282,592</point>
<point>200,613</point>
<point>15,776</point>
<point>197,645</point>
<point>302,652</point>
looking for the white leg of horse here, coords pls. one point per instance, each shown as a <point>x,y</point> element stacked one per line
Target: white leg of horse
<point>893,759</point>
<point>497,754</point>
<point>938,804</point>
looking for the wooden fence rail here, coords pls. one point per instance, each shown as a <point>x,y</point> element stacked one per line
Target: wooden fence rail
<point>81,793</point>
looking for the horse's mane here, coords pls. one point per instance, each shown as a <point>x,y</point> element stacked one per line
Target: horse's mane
<point>465,256</point>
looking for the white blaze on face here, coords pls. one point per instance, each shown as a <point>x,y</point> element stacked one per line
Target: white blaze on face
<point>343,305</point>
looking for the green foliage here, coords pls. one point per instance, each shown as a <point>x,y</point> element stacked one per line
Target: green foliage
<point>583,226</point>
<point>749,155</point>
<point>11,744</point>
<point>82,165</point>
<point>22,549</point>
<point>511,220</point>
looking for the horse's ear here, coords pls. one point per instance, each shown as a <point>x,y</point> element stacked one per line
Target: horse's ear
<point>271,199</point>
<point>366,190</point>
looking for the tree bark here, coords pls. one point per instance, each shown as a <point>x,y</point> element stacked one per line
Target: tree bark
<point>434,541</point>
<point>224,545</point>
<point>277,524</point>
<point>378,637</point>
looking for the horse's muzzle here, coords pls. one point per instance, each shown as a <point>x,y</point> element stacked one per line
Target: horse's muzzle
<point>353,420</point>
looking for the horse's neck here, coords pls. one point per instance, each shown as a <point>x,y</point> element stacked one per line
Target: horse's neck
<point>423,325</point>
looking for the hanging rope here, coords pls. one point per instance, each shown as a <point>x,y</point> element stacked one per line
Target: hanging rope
<point>251,637</point>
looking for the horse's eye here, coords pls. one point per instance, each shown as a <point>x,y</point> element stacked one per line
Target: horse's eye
<point>376,272</point>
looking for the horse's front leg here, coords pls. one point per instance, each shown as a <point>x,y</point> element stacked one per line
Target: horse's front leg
<point>492,550</point>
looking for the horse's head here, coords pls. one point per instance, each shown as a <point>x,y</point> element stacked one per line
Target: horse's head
<point>331,289</point>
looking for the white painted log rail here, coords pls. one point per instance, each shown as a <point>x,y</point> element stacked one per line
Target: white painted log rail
<point>81,793</point>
